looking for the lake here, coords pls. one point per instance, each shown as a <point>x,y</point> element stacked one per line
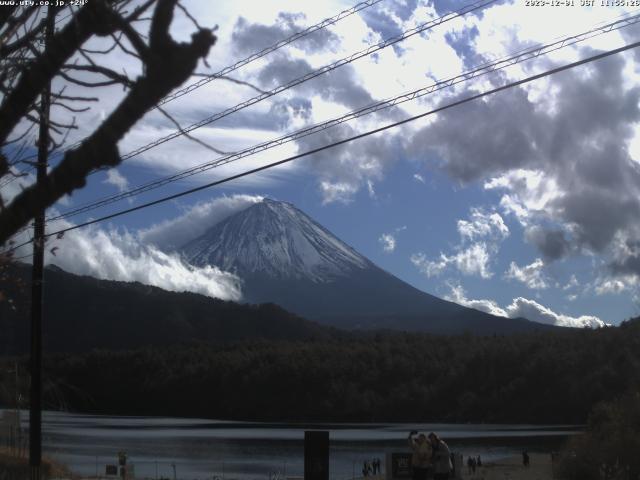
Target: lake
<point>226,450</point>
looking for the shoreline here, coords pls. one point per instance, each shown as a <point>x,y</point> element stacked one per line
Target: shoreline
<point>540,468</point>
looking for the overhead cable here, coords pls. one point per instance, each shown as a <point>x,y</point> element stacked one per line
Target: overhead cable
<point>518,57</point>
<point>465,100</point>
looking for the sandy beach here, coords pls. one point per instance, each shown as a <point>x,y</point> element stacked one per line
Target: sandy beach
<point>512,468</point>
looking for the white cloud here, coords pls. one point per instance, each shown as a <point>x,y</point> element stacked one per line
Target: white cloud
<point>531,192</point>
<point>388,242</point>
<point>470,257</point>
<point>428,267</point>
<point>523,308</point>
<point>614,286</point>
<point>337,192</point>
<point>458,296</point>
<point>12,186</point>
<point>481,225</point>
<point>145,256</point>
<point>573,282</point>
<point>372,191</point>
<point>531,275</point>
<point>532,310</point>
<point>172,234</point>
<point>116,179</point>
<point>473,260</point>
<point>113,255</point>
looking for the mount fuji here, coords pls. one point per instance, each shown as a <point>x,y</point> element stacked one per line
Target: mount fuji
<point>285,257</point>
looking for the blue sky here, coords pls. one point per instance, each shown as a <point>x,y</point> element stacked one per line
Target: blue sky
<point>523,203</point>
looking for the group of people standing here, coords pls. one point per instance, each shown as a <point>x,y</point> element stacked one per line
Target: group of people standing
<point>473,463</point>
<point>371,468</point>
<point>430,455</point>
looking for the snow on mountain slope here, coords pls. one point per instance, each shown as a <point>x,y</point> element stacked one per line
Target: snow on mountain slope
<point>286,258</point>
<point>277,240</point>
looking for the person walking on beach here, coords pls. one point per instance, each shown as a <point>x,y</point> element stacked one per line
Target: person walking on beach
<point>525,458</point>
<point>421,455</point>
<point>376,466</point>
<point>366,469</point>
<point>441,458</point>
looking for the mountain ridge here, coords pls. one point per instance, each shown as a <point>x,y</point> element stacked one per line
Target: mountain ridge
<point>308,250</point>
<point>84,313</point>
<point>285,257</point>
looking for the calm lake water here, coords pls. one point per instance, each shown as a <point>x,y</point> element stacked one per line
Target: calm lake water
<point>210,449</point>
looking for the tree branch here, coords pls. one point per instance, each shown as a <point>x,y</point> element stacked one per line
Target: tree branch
<point>91,19</point>
<point>168,65</point>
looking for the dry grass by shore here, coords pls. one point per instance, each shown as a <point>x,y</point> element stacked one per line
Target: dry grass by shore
<point>13,466</point>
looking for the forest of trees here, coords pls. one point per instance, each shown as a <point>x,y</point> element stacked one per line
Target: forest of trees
<point>539,377</point>
<point>85,313</point>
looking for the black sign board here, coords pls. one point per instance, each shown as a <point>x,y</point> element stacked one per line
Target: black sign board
<point>316,455</point>
<point>400,465</point>
<point>111,470</point>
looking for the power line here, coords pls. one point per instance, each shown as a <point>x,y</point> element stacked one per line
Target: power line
<point>344,141</point>
<point>518,57</point>
<point>26,171</point>
<point>318,26</point>
<point>313,74</point>
<point>22,257</point>
<point>255,56</point>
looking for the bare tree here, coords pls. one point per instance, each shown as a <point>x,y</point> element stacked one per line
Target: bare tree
<point>26,68</point>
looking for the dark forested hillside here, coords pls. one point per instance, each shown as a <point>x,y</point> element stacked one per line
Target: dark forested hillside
<point>84,313</point>
<point>538,377</point>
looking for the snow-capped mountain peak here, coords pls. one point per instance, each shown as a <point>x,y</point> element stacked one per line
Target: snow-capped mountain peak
<point>274,239</point>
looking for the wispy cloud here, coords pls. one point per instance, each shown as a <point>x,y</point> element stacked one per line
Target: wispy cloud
<point>115,178</point>
<point>473,260</point>
<point>172,234</point>
<point>120,255</point>
<point>531,275</point>
<point>522,308</point>
<point>480,236</point>
<point>388,242</point>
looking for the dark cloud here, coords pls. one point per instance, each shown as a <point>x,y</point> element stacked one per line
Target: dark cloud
<point>631,34</point>
<point>588,156</point>
<point>482,138</point>
<point>283,69</point>
<point>552,243</point>
<point>445,6</point>
<point>461,42</point>
<point>283,112</point>
<point>252,37</point>
<point>382,22</point>
<point>386,18</point>
<point>627,263</point>
<point>580,144</point>
<point>351,164</point>
<point>280,114</point>
<point>340,85</point>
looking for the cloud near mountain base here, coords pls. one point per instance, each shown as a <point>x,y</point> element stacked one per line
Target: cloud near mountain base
<point>113,255</point>
<point>523,308</point>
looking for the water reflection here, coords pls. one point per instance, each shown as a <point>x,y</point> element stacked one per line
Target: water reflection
<point>251,450</point>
